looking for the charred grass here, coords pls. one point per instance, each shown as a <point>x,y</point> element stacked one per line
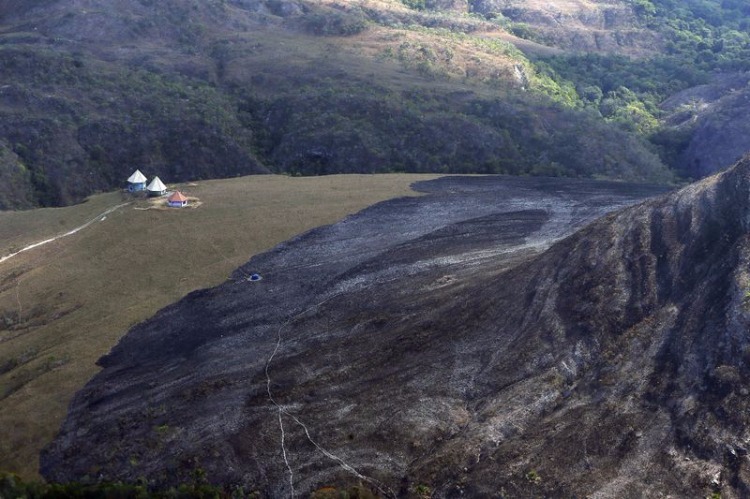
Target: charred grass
<point>66,303</point>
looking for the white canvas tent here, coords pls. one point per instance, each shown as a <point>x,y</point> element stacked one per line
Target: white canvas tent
<point>137,178</point>
<point>156,187</point>
<point>137,181</point>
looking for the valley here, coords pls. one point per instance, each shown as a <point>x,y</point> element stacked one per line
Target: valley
<point>92,91</point>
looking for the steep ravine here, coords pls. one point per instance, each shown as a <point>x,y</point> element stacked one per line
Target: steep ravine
<point>434,342</point>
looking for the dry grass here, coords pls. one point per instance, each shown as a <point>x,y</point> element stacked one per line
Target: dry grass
<point>68,302</point>
<point>391,55</point>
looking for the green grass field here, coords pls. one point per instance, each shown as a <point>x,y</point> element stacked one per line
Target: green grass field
<point>66,303</point>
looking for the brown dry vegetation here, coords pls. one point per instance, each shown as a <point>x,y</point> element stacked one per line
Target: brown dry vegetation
<point>65,304</point>
<point>398,58</point>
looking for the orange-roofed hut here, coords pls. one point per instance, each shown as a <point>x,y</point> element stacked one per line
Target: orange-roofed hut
<point>177,200</point>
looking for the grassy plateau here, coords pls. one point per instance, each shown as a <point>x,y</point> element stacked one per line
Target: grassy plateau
<point>66,303</point>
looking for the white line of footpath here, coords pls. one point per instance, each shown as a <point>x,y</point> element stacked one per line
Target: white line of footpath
<point>69,233</point>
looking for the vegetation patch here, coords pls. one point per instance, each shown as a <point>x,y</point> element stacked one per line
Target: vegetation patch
<point>703,37</point>
<point>13,486</point>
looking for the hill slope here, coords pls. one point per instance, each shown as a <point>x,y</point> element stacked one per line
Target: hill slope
<point>710,121</point>
<point>420,342</point>
<point>188,90</point>
<point>614,363</point>
<point>66,303</point>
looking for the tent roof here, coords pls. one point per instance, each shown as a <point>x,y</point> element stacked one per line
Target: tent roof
<point>137,178</point>
<point>156,185</point>
<point>177,197</point>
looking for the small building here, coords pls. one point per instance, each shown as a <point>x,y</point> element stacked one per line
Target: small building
<point>177,200</point>
<point>136,182</point>
<point>156,188</point>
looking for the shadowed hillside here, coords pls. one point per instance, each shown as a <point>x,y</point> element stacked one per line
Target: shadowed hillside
<point>188,89</point>
<point>191,90</point>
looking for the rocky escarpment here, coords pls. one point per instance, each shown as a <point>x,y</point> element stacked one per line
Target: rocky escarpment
<point>711,117</point>
<point>438,349</point>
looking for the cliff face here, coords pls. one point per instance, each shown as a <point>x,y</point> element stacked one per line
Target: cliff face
<point>450,353</point>
<point>712,117</point>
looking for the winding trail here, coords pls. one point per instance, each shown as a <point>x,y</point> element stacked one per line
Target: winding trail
<point>69,233</point>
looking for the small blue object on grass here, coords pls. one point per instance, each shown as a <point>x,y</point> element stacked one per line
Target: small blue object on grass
<point>255,277</point>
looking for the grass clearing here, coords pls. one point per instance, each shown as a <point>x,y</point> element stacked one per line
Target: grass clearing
<point>64,304</point>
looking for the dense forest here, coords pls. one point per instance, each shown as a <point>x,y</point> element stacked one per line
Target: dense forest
<point>701,39</point>
<point>193,90</point>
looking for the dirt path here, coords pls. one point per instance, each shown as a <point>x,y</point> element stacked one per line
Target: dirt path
<point>69,233</point>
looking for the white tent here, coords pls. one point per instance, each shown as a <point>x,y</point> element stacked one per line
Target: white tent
<point>137,178</point>
<point>136,182</point>
<point>156,187</point>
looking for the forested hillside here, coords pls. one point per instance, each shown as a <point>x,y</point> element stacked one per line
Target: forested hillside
<point>92,89</point>
<point>703,51</point>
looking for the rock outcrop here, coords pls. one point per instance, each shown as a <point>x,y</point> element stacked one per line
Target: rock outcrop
<point>431,343</point>
<point>713,117</point>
